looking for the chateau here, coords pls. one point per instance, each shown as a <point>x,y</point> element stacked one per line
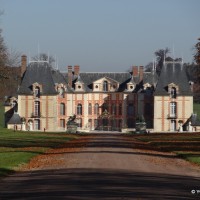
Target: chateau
<point>106,101</point>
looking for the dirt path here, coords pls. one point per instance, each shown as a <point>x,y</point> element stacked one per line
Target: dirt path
<point>103,166</point>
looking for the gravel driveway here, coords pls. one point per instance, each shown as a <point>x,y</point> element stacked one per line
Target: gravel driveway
<point>103,166</point>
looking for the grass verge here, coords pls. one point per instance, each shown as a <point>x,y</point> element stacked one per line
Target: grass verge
<point>17,148</point>
<point>185,145</point>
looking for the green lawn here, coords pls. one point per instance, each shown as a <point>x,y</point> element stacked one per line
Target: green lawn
<point>17,148</point>
<point>185,145</point>
<point>1,114</point>
<point>197,109</point>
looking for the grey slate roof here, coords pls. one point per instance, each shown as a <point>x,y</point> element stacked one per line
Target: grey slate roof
<point>150,77</point>
<point>194,120</point>
<point>42,74</point>
<point>173,73</point>
<point>89,78</point>
<point>15,119</point>
<point>123,78</point>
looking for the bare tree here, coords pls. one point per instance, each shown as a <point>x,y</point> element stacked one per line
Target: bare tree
<point>3,50</point>
<point>13,58</point>
<point>161,54</point>
<point>44,57</point>
<point>149,67</point>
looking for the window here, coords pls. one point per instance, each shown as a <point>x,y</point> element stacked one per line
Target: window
<point>119,123</point>
<point>37,124</point>
<point>130,109</point>
<point>61,92</point>
<point>113,109</point>
<point>173,92</point>
<point>37,109</point>
<point>95,123</point>
<point>79,122</point>
<point>14,106</point>
<point>90,123</point>
<point>130,123</point>
<point>148,109</point>
<point>79,109</point>
<point>37,92</point>
<point>62,123</point>
<point>120,109</point>
<point>89,109</point>
<point>173,125</point>
<point>105,86</point>
<point>96,109</point>
<point>173,109</point>
<point>62,109</point>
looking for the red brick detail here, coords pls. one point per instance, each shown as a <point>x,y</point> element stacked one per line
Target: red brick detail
<point>76,69</point>
<point>141,72</point>
<point>135,70</point>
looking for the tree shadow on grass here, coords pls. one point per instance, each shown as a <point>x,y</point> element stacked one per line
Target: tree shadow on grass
<point>97,184</point>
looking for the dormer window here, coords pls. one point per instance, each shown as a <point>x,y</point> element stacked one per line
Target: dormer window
<point>37,92</point>
<point>79,85</point>
<point>173,92</point>
<point>61,92</point>
<point>105,86</point>
<point>130,87</point>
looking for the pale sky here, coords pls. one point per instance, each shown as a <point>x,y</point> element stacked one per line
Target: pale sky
<point>101,35</point>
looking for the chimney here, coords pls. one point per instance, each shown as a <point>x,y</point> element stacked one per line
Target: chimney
<point>141,72</point>
<point>70,76</point>
<point>76,70</point>
<point>135,71</point>
<point>23,64</point>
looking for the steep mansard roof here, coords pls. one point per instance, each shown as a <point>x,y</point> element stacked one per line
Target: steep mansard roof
<point>123,78</point>
<point>173,73</point>
<point>48,78</point>
<point>15,119</point>
<point>41,73</point>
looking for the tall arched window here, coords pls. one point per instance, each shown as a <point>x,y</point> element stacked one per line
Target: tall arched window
<point>62,109</point>
<point>89,109</point>
<point>120,109</point>
<point>96,109</point>
<point>79,122</point>
<point>113,109</point>
<point>173,109</point>
<point>37,124</point>
<point>105,86</point>
<point>79,109</point>
<point>130,109</point>
<point>37,109</point>
<point>62,123</point>
<point>37,92</point>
